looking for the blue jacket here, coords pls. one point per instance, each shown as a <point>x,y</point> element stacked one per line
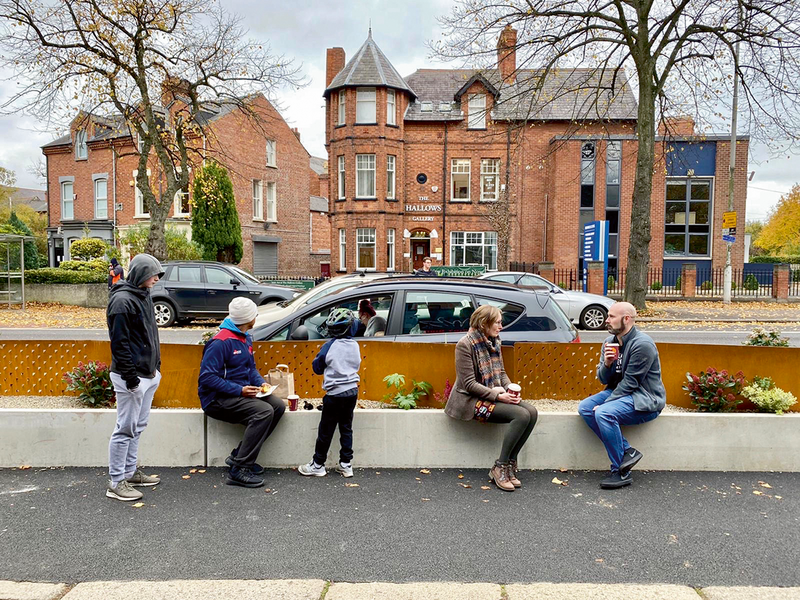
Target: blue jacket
<point>228,365</point>
<point>339,360</point>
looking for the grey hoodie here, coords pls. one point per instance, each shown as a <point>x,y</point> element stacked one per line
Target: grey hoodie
<point>135,348</point>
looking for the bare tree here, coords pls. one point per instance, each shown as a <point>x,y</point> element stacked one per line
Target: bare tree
<point>680,55</point>
<point>118,59</point>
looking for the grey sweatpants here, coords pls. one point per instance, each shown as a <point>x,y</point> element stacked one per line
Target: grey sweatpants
<point>133,411</point>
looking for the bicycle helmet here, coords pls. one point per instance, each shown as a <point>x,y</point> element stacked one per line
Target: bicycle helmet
<point>340,323</point>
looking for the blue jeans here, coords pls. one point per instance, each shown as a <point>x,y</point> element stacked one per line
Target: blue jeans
<point>605,418</point>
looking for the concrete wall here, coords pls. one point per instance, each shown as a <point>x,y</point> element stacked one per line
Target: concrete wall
<point>91,295</point>
<point>408,439</point>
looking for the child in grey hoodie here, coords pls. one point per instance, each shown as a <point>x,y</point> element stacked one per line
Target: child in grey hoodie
<point>338,360</point>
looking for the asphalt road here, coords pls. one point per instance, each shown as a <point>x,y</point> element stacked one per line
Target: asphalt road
<point>177,335</point>
<point>698,529</point>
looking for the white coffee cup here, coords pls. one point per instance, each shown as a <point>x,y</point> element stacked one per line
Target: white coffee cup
<point>515,388</point>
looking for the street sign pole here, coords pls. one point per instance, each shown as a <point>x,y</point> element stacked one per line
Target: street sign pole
<point>726,292</point>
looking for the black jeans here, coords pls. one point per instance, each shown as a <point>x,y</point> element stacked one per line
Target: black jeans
<point>336,410</point>
<point>259,415</point>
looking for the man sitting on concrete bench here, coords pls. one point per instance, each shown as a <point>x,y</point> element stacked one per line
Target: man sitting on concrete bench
<point>634,394</point>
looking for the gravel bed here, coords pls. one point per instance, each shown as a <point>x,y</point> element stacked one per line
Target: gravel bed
<point>543,405</point>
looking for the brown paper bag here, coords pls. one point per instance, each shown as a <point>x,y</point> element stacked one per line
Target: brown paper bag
<point>281,377</point>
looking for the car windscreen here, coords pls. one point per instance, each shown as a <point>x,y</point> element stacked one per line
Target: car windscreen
<point>244,275</point>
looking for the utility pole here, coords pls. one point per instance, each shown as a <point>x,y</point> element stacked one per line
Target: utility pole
<point>726,292</point>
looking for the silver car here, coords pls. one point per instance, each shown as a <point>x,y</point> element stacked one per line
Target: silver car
<point>278,310</point>
<point>587,311</point>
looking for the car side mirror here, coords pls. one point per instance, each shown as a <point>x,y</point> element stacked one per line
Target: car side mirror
<point>300,333</point>
<point>235,281</point>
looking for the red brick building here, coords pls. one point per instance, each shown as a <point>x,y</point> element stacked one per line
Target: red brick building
<point>91,184</point>
<point>417,164</point>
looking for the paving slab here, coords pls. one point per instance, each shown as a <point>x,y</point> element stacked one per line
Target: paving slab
<point>14,590</point>
<point>286,589</point>
<point>751,593</point>
<point>414,591</point>
<point>592,591</point>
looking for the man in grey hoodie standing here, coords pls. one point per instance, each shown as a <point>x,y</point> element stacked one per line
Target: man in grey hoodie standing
<point>634,394</point>
<point>135,364</point>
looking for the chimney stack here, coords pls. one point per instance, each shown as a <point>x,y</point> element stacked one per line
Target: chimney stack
<point>507,54</point>
<point>296,131</point>
<point>334,62</point>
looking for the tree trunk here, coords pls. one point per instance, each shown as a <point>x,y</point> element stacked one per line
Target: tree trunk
<point>156,239</point>
<point>639,248</point>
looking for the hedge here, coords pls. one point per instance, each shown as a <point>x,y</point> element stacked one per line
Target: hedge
<point>56,275</point>
<point>792,260</point>
<point>96,265</point>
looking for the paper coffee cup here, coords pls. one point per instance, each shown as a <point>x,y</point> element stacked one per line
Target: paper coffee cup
<point>293,399</point>
<point>515,389</point>
<point>615,347</point>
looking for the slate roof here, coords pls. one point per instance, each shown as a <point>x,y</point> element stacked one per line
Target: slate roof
<point>30,197</point>
<point>369,67</point>
<point>318,165</point>
<point>566,95</point>
<point>318,203</point>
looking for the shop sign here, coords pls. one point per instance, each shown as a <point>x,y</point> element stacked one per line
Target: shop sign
<point>437,208</point>
<point>422,218</point>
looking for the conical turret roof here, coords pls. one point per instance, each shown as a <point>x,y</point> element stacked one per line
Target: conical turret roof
<point>369,67</point>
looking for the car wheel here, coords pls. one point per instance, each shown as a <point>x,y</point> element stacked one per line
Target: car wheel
<point>593,317</point>
<point>165,313</point>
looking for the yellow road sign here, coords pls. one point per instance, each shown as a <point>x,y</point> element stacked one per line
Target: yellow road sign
<point>728,220</point>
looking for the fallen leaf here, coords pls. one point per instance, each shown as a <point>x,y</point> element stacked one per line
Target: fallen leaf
<point>563,470</point>
<point>673,539</point>
<point>201,470</point>
<point>485,501</point>
<point>425,471</point>
<point>138,505</point>
<point>377,472</point>
<point>464,485</point>
<point>778,497</point>
<point>598,560</point>
<point>417,478</point>
<point>186,476</point>
<point>192,470</point>
<point>461,476</point>
<point>267,490</point>
<point>485,487</point>
<point>351,485</point>
<point>758,493</point>
<point>764,485</point>
<point>24,467</point>
<point>426,499</point>
<point>557,481</point>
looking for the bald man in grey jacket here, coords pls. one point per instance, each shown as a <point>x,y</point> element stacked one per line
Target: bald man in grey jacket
<point>634,391</point>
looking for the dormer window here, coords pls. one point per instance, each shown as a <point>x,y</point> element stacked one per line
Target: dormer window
<point>427,106</point>
<point>81,149</point>
<point>477,111</point>
<point>390,108</point>
<point>365,105</point>
<point>445,107</point>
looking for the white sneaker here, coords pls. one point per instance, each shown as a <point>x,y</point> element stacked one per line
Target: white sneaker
<point>345,469</point>
<point>312,469</point>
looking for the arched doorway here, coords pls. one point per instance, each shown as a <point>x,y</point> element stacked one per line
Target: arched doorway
<point>420,246</point>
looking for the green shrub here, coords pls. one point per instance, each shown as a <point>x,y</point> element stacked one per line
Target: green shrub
<point>402,398</point>
<point>750,283</point>
<point>562,285</point>
<point>714,391</point>
<point>93,383</point>
<point>96,265</point>
<point>56,275</point>
<point>763,393</point>
<point>611,282</point>
<point>766,337</point>
<point>88,249</point>
<point>791,260</point>
<point>655,286</point>
<point>795,275</point>
<point>706,285</point>
<point>678,283</point>
<point>179,247</point>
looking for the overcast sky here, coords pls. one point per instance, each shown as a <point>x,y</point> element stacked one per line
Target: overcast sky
<point>303,29</point>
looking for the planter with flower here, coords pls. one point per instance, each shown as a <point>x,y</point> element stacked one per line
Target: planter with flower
<point>92,381</point>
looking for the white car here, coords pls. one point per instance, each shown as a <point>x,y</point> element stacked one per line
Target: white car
<point>587,311</point>
<point>274,311</point>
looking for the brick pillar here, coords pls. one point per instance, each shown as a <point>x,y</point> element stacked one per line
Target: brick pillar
<point>688,280</point>
<point>780,282</point>
<point>548,271</point>
<point>594,273</point>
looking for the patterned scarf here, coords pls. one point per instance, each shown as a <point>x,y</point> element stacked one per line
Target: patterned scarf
<point>490,361</point>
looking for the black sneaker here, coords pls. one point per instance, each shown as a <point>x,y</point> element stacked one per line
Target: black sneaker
<point>255,467</point>
<point>629,459</point>
<point>244,477</point>
<point>616,480</point>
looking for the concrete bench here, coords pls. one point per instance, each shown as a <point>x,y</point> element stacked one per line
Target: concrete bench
<point>407,439</point>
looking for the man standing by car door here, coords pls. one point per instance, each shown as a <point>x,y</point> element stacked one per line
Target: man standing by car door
<point>426,271</point>
<point>135,364</point>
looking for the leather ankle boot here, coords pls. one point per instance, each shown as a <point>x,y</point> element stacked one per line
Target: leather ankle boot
<point>512,474</point>
<point>499,474</point>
